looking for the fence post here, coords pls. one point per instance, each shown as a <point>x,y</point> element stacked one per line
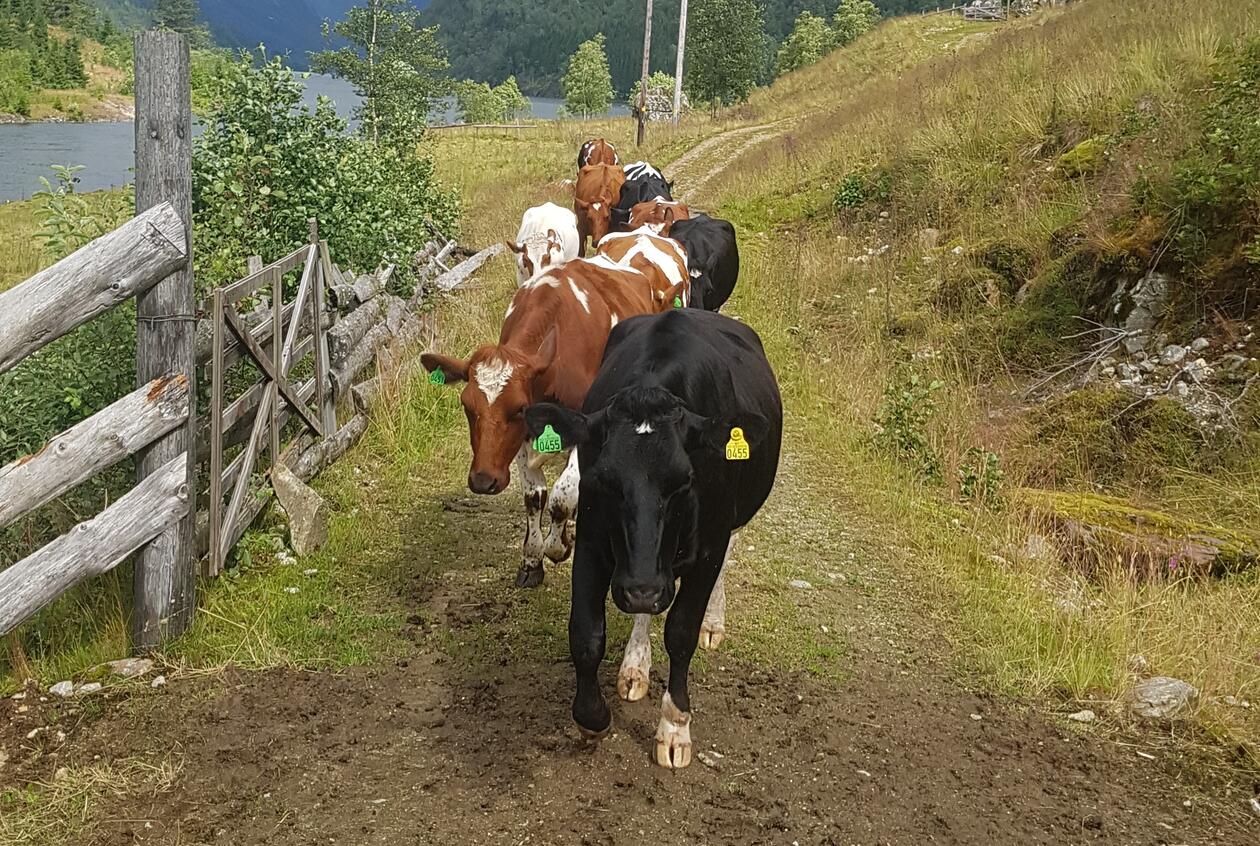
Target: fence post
<point>165,569</point>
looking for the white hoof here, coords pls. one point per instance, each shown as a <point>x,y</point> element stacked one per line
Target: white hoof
<point>673,737</point>
<point>632,684</point>
<point>712,633</point>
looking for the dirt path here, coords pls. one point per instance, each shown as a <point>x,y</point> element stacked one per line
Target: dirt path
<point>696,168</point>
<point>468,739</point>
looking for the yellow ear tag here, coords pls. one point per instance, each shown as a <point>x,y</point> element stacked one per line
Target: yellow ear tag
<point>737,448</point>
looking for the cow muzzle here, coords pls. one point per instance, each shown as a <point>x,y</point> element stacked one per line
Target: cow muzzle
<point>480,482</point>
<point>642,597</point>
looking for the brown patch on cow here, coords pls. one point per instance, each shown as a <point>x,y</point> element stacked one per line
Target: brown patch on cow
<point>599,151</point>
<point>663,289</point>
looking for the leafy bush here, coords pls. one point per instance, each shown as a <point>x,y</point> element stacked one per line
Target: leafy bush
<point>810,40</point>
<point>479,103</point>
<point>908,407</point>
<point>852,19</point>
<point>1215,187</point>
<point>859,187</point>
<point>78,375</point>
<point>658,83</point>
<point>266,163</point>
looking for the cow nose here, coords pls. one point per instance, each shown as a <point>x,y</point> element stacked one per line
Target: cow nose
<point>641,599</point>
<point>485,483</point>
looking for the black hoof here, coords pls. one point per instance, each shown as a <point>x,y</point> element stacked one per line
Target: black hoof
<point>593,719</point>
<point>529,577</point>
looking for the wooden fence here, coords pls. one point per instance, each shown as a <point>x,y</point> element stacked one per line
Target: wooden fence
<point>312,345</point>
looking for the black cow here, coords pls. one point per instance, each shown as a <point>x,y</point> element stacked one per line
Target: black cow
<point>712,255</point>
<point>643,183</point>
<point>663,489</point>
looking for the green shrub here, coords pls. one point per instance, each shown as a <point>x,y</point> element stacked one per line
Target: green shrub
<point>908,407</point>
<point>16,83</point>
<point>980,477</point>
<point>1085,159</point>
<point>859,187</point>
<point>1215,186</point>
<point>266,163</point>
<point>78,375</point>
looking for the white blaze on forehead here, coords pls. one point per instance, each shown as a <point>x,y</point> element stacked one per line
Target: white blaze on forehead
<point>644,428</point>
<point>581,296</point>
<point>492,377</point>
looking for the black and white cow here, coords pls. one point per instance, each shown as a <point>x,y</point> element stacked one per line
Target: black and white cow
<point>712,255</point>
<point>678,446</point>
<point>643,183</point>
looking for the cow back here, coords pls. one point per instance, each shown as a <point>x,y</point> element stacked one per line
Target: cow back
<point>713,253</point>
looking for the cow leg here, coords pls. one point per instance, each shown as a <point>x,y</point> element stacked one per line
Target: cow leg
<point>534,484</point>
<point>682,630</point>
<point>713,629</point>
<point>564,495</point>
<point>592,574</point>
<point>632,681</point>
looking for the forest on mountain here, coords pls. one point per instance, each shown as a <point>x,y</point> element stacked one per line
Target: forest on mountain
<point>532,39</point>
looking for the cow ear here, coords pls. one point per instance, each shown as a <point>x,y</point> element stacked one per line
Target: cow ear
<point>620,217</point>
<point>668,216</point>
<point>573,427</point>
<point>677,296</point>
<point>712,434</point>
<point>452,369</point>
<point>546,353</point>
<point>581,204</point>
<point>515,247</point>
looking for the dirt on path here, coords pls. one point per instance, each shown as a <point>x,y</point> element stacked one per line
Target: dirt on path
<point>468,739</point>
<point>695,169</point>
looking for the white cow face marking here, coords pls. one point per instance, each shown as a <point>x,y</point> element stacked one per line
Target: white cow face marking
<point>644,428</point>
<point>492,377</point>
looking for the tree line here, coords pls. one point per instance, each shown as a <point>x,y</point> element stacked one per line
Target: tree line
<point>31,58</point>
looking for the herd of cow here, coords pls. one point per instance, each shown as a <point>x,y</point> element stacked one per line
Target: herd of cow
<point>665,415</point>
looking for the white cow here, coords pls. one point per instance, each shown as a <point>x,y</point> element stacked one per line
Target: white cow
<point>548,237</point>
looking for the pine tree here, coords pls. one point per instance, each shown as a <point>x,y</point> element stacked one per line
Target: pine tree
<point>725,49</point>
<point>179,15</point>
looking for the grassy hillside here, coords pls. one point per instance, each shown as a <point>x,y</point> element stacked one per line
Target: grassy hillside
<point>981,219</point>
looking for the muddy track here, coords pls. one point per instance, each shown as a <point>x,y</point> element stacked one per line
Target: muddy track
<point>457,750</point>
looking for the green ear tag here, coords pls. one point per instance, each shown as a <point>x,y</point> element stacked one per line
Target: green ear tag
<point>548,441</point>
<point>437,377</point>
<point>737,448</point>
<point>678,303</point>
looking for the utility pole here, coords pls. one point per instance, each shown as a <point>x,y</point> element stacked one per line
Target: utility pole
<point>678,71</point>
<point>643,85</point>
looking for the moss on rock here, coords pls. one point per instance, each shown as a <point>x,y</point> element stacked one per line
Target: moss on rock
<point>1103,534</point>
<point>1086,158</point>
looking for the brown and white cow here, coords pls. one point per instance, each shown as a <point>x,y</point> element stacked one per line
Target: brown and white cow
<point>658,215</point>
<point>597,151</point>
<point>549,350</point>
<point>597,190</point>
<point>662,260</point>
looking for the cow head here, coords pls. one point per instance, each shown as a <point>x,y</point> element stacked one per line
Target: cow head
<point>658,215</point>
<point>500,385</point>
<point>596,215</point>
<point>536,255</point>
<point>641,456</point>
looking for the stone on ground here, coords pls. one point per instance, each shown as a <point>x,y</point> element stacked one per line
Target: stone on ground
<point>1161,698</point>
<point>63,689</point>
<point>307,511</point>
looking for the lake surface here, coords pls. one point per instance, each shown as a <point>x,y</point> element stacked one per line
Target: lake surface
<point>108,149</point>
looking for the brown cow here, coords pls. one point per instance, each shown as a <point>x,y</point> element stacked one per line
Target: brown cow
<point>597,151</point>
<point>659,214</point>
<point>597,191</point>
<point>662,260</point>
<point>549,349</point>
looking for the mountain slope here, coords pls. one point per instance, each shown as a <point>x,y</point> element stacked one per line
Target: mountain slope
<point>533,39</point>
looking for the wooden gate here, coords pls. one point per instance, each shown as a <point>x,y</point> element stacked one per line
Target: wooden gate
<point>293,332</point>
